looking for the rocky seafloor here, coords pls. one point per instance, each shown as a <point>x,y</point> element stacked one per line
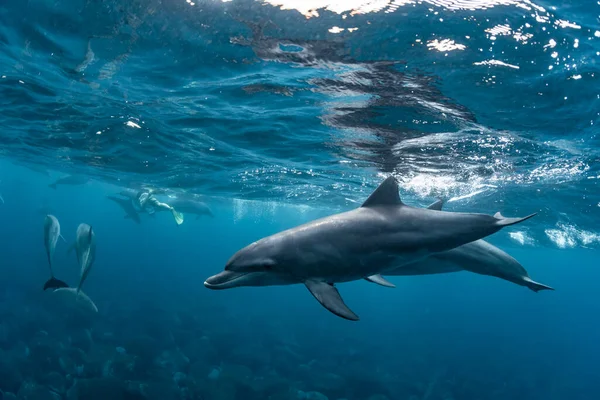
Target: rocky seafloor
<point>153,350</point>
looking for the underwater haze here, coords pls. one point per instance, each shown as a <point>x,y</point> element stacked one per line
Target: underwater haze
<point>250,117</point>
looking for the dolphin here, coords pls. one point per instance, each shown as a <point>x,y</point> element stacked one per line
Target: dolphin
<point>85,249</point>
<point>51,235</point>
<point>76,299</point>
<point>190,204</point>
<point>382,234</point>
<point>37,168</point>
<point>69,180</point>
<point>127,206</point>
<point>479,257</point>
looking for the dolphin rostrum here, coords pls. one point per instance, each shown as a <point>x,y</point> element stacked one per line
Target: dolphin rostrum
<point>51,235</point>
<point>382,234</point>
<point>479,257</point>
<point>85,249</point>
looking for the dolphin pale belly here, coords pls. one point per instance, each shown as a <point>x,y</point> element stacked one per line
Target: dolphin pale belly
<point>479,257</point>
<point>381,235</point>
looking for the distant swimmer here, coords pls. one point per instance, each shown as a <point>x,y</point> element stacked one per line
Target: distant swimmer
<point>85,249</point>
<point>146,201</point>
<point>381,235</point>
<point>51,235</point>
<point>70,180</point>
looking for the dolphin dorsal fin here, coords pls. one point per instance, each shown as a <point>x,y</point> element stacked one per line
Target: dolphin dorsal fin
<point>385,195</point>
<point>498,215</point>
<point>437,206</point>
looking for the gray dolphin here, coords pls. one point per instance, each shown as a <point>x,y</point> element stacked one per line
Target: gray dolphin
<point>190,204</point>
<point>69,180</point>
<point>382,234</point>
<point>127,206</point>
<point>51,235</point>
<point>85,249</point>
<point>479,257</point>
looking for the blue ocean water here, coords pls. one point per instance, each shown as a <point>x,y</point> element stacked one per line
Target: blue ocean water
<point>275,113</point>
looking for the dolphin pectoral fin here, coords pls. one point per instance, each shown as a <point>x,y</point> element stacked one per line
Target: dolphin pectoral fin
<point>380,280</point>
<point>502,221</point>
<point>330,298</point>
<point>437,206</point>
<point>386,194</point>
<point>535,286</point>
<point>63,238</point>
<point>54,283</point>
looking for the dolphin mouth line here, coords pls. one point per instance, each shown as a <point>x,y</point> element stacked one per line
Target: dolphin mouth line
<point>227,282</point>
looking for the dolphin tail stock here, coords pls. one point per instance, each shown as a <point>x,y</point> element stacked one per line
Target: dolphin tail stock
<point>54,283</point>
<point>379,280</point>
<point>535,286</point>
<point>330,298</point>
<point>503,221</point>
<point>178,216</point>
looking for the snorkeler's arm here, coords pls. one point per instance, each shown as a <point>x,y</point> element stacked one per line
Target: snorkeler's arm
<point>177,215</point>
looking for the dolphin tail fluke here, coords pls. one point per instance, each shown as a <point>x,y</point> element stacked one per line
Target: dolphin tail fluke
<point>380,280</point>
<point>52,185</point>
<point>330,298</point>
<point>535,286</point>
<point>502,221</point>
<point>178,216</point>
<point>54,283</point>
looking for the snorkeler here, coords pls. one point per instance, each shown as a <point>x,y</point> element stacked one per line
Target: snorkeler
<point>146,201</point>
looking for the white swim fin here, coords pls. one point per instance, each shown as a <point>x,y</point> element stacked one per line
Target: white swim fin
<point>178,216</point>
